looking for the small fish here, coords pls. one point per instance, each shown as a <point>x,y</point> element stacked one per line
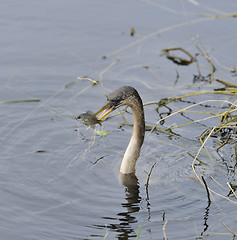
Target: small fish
<point>89,119</point>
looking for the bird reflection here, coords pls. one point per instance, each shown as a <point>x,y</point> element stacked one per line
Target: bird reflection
<point>124,228</point>
<point>131,205</point>
<point>132,197</point>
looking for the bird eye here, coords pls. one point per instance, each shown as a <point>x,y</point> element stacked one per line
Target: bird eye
<point>116,101</point>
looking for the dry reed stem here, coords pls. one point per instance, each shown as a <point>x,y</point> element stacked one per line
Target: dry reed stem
<point>234,234</point>
<point>232,190</point>
<point>199,150</point>
<point>34,110</point>
<point>107,68</point>
<point>227,84</point>
<point>176,58</point>
<point>213,179</point>
<point>106,232</point>
<point>148,177</point>
<point>164,228</point>
<point>184,109</point>
<point>207,57</point>
<point>211,16</point>
<point>198,178</point>
<point>211,66</point>
<point>93,82</point>
<point>222,145</point>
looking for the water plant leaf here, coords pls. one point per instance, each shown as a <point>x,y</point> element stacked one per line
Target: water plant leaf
<point>102,133</point>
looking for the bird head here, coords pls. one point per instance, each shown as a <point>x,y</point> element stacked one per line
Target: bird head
<point>116,99</point>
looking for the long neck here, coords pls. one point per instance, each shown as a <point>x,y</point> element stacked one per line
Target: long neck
<point>132,152</point>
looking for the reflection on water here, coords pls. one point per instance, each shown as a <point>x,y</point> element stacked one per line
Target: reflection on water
<point>207,207</point>
<point>132,197</point>
<point>124,228</point>
<point>206,214</point>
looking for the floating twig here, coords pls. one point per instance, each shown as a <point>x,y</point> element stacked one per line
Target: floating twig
<point>233,69</point>
<point>132,33</point>
<point>40,151</point>
<point>230,15</point>
<point>177,59</point>
<point>98,160</point>
<point>21,101</point>
<point>234,234</point>
<point>227,84</point>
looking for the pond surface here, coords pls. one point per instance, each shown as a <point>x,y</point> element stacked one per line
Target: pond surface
<point>61,181</point>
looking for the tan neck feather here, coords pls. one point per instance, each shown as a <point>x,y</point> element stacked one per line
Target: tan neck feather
<point>132,152</point>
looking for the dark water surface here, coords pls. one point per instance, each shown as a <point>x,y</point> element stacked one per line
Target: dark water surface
<point>59,181</point>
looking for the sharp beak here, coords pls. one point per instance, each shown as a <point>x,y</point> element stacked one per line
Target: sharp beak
<point>106,109</point>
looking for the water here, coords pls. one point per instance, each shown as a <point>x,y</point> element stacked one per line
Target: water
<point>58,180</point>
